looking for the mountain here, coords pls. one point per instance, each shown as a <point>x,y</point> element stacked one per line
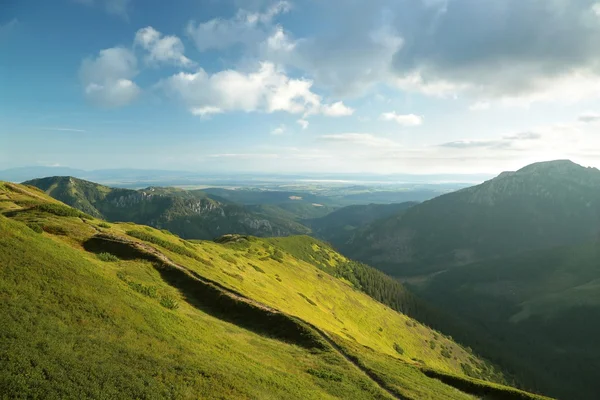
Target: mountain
<point>340,225</point>
<point>540,308</point>
<point>191,214</point>
<point>97,310</point>
<point>540,206</point>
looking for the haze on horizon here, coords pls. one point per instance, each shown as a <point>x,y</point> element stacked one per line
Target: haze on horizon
<point>419,87</point>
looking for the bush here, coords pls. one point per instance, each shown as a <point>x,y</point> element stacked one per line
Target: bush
<point>277,256</point>
<point>398,349</point>
<point>257,268</point>
<point>55,230</point>
<point>103,225</point>
<point>169,302</point>
<point>34,226</point>
<point>432,345</point>
<point>327,375</point>
<point>307,299</point>
<point>175,248</point>
<point>446,353</point>
<point>107,257</point>
<point>228,258</point>
<point>61,210</point>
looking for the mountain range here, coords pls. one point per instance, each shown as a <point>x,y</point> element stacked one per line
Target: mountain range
<point>509,267</point>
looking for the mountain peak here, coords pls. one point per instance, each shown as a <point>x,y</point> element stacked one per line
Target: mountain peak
<point>554,166</point>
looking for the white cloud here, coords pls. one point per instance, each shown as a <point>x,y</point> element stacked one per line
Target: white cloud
<point>162,49</point>
<point>303,123</point>
<point>280,130</point>
<point>65,130</point>
<point>267,89</point>
<point>246,27</point>
<point>360,139</point>
<point>110,94</point>
<point>206,111</point>
<point>107,78</point>
<point>279,42</point>
<point>404,120</point>
<point>337,109</point>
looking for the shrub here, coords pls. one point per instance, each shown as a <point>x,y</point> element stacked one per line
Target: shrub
<point>257,268</point>
<point>175,248</point>
<point>228,258</point>
<point>103,225</point>
<point>61,210</point>
<point>432,345</point>
<point>327,375</point>
<point>446,353</point>
<point>107,257</point>
<point>55,230</point>
<point>398,349</point>
<point>277,256</point>
<point>34,226</point>
<point>169,302</point>
<point>307,299</point>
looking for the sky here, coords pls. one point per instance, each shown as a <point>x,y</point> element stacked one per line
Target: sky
<point>348,86</point>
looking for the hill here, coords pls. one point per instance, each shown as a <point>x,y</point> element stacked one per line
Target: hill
<point>539,307</point>
<point>539,206</point>
<point>339,226</point>
<point>98,310</point>
<point>191,214</point>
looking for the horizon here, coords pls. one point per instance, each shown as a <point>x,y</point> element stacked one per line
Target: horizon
<point>297,87</point>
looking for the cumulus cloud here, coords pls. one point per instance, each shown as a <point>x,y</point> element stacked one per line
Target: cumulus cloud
<point>361,139</point>
<point>404,120</point>
<point>337,109</point>
<point>162,49</point>
<point>107,78</point>
<point>267,89</point>
<point>245,27</point>
<point>509,51</point>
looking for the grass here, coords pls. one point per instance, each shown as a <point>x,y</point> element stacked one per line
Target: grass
<point>175,248</point>
<point>107,257</point>
<point>75,326</point>
<point>86,336</point>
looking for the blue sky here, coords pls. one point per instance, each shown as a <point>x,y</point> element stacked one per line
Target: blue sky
<point>420,86</point>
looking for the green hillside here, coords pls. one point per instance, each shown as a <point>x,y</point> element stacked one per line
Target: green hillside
<point>92,309</point>
<point>339,226</point>
<point>539,206</point>
<point>540,305</point>
<point>190,214</point>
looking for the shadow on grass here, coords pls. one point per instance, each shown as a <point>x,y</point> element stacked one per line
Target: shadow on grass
<point>212,298</point>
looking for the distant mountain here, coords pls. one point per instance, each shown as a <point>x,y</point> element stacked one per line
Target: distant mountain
<point>26,173</point>
<point>340,225</point>
<point>190,214</point>
<point>539,307</point>
<point>540,206</point>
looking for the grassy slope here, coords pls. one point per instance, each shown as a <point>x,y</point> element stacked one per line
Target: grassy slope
<point>75,327</point>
